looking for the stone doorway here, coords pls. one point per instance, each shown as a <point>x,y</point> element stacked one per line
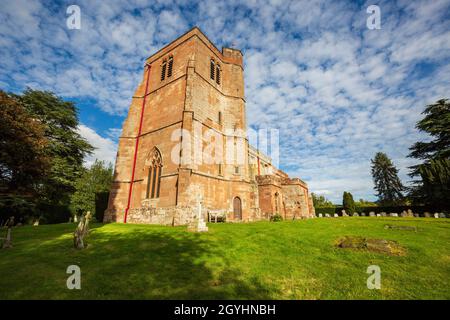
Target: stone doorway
<point>237,208</point>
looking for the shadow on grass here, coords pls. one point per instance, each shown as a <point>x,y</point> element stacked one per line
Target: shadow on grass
<point>142,262</point>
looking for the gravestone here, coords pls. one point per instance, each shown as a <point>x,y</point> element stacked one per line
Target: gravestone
<point>394,214</point>
<point>335,215</point>
<point>436,215</point>
<point>410,213</point>
<point>320,215</point>
<point>198,224</point>
<point>356,214</point>
<point>81,231</point>
<point>7,243</point>
<point>427,214</point>
<point>363,214</point>
<point>344,214</point>
<point>378,215</point>
<point>372,214</point>
<point>383,214</point>
<point>442,215</point>
<point>416,215</point>
<point>404,213</point>
<point>327,215</point>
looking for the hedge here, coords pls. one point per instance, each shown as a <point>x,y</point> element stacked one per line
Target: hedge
<point>388,209</point>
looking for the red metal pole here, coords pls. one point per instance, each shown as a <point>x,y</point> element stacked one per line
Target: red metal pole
<point>137,144</point>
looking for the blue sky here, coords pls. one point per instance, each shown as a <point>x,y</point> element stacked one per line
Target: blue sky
<point>337,91</point>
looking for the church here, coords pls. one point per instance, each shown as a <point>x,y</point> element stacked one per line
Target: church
<point>185,145</point>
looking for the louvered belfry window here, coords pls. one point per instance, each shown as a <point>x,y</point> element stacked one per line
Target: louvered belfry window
<point>212,67</point>
<point>170,67</point>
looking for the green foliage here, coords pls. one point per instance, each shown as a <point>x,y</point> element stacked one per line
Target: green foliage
<point>437,124</point>
<point>432,189</point>
<point>436,182</point>
<point>23,160</point>
<point>276,218</point>
<point>387,183</point>
<point>320,201</point>
<point>96,179</point>
<point>66,148</point>
<point>348,203</point>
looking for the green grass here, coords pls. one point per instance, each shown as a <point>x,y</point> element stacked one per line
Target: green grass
<point>263,260</point>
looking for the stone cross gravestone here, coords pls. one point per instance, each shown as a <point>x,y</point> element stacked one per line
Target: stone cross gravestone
<point>198,224</point>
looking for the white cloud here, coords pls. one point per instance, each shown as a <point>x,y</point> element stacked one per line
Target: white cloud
<point>105,148</point>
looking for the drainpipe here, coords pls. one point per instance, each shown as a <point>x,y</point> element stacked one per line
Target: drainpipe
<point>137,144</point>
<point>259,169</point>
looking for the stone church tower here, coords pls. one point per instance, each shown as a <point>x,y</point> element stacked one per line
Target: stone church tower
<point>185,142</point>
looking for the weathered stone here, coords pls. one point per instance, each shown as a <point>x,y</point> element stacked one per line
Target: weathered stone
<point>410,213</point>
<point>436,215</point>
<point>164,189</point>
<point>375,245</point>
<point>416,215</point>
<point>356,214</point>
<point>336,215</point>
<point>397,227</point>
<point>378,215</point>
<point>442,215</point>
<point>372,214</point>
<point>404,214</point>
<point>394,214</point>
<point>327,215</point>
<point>363,214</point>
<point>320,215</point>
<point>427,214</point>
<point>383,214</point>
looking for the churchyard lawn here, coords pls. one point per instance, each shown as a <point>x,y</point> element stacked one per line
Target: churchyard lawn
<point>262,260</point>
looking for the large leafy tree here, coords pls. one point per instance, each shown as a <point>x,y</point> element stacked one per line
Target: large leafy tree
<point>24,162</point>
<point>66,148</point>
<point>321,201</point>
<point>434,154</point>
<point>348,203</point>
<point>96,179</point>
<point>387,183</point>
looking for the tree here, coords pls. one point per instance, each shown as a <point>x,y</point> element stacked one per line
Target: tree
<point>436,182</point>
<point>96,179</point>
<point>348,203</point>
<point>66,147</point>
<point>320,201</point>
<point>387,183</point>
<point>23,160</point>
<point>434,155</point>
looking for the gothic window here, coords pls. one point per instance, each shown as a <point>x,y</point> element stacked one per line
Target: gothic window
<point>170,67</point>
<point>154,163</point>
<point>163,70</point>
<point>217,74</point>
<point>220,117</point>
<point>212,67</point>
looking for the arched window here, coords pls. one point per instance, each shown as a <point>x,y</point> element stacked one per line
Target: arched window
<point>237,208</point>
<point>154,164</point>
<point>219,118</point>
<point>217,74</point>
<point>163,70</point>
<point>170,67</point>
<point>212,67</point>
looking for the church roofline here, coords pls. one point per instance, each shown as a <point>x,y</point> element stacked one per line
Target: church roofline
<point>195,28</point>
